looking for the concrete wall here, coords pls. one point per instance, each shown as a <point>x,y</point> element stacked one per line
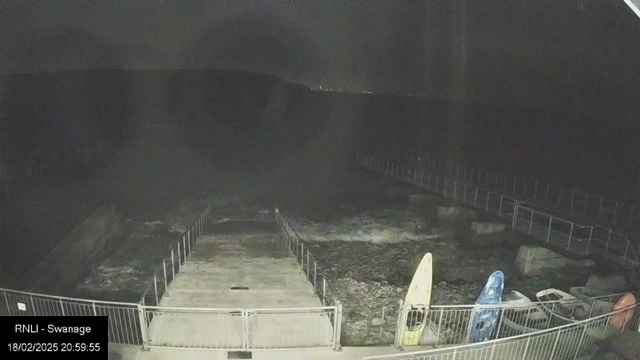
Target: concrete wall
<point>99,233</point>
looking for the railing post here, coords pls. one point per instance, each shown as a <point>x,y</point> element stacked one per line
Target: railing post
<point>155,288</point>
<point>586,201</point>
<point>514,221</point>
<point>600,208</point>
<point>464,194</point>
<point>487,208</point>
<point>184,247</point>
<point>549,231</point>
<point>62,307</point>
<point>324,290</point>
<point>337,324</point>
<point>589,242</point>
<point>606,250</point>
<point>531,222</point>
<point>308,266</point>
<point>179,257</point>
<point>173,269</point>
<point>500,209</point>
<point>301,259</point>
<point>546,195</point>
<point>315,275</point>
<point>143,327</point>
<point>93,305</point>
<point>570,235</point>
<point>34,307</point>
<point>475,199</point>
<point>189,242</point>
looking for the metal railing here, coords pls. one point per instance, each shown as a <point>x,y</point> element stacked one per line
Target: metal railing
<point>622,216</point>
<point>451,324</point>
<point>569,235</point>
<point>166,273</point>
<point>124,318</point>
<point>241,329</point>
<point>310,268</point>
<point>566,342</point>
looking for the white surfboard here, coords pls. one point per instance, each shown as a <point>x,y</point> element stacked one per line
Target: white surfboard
<point>417,301</point>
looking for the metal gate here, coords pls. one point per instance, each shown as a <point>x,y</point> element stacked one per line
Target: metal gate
<point>242,329</point>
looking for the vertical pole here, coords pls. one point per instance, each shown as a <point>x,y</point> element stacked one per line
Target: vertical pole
<point>337,326</point>
<point>549,231</point>
<point>500,209</point>
<point>301,259</point>
<point>475,199</point>
<point>189,243</point>
<point>606,251</point>
<point>95,311</point>
<point>586,201</point>
<point>6,301</point>
<point>184,247</point>
<point>600,208</point>
<point>143,327</point>
<point>179,256</point>
<point>464,194</point>
<point>308,266</point>
<point>589,243</point>
<point>155,288</point>
<point>164,271</point>
<point>515,215</point>
<point>487,208</point>
<point>34,308</point>
<point>531,222</point>
<point>324,290</point>
<point>62,307</point>
<point>173,269</point>
<point>570,235</point>
<point>315,275</point>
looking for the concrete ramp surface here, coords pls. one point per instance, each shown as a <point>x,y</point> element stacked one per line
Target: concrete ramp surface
<point>244,291</point>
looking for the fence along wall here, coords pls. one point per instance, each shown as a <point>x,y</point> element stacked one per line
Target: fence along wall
<point>537,223</point>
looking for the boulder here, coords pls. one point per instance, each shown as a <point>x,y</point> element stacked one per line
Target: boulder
<point>84,246</point>
<point>487,227</point>
<point>615,282</point>
<point>532,259</point>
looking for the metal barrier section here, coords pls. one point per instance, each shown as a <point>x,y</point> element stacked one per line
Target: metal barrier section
<point>611,219</point>
<point>568,235</point>
<point>240,329</point>
<point>566,342</point>
<point>442,325</point>
<point>124,320</point>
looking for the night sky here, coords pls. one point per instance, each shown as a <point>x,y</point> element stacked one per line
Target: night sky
<point>536,52</point>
